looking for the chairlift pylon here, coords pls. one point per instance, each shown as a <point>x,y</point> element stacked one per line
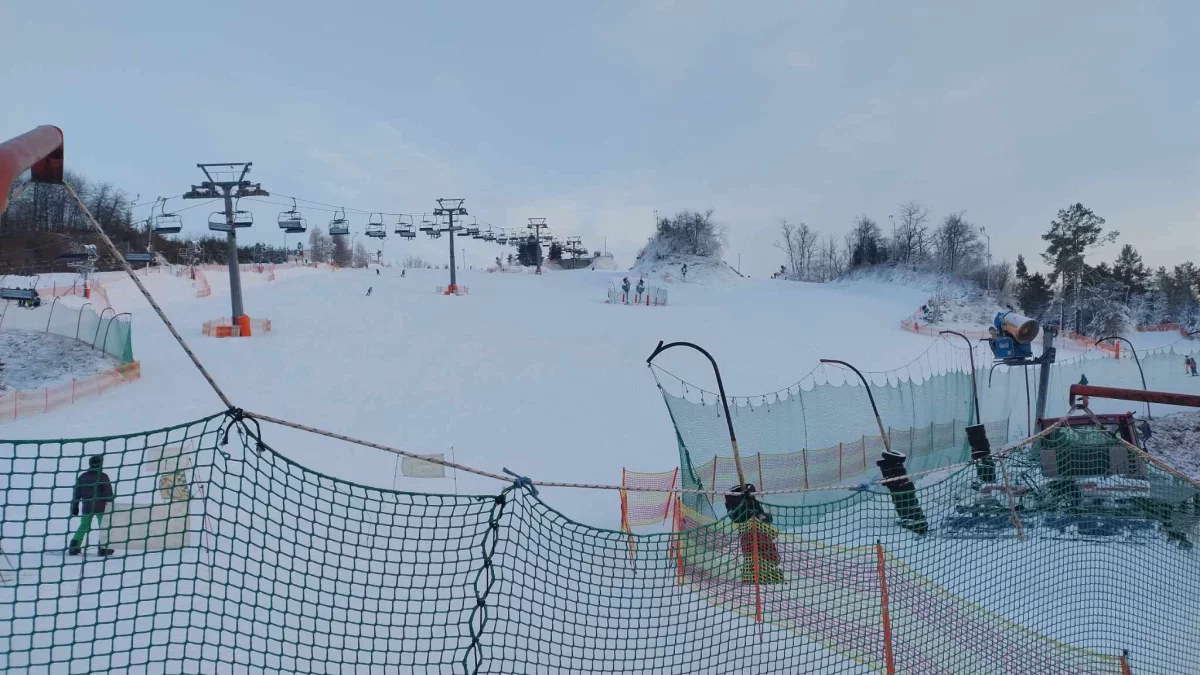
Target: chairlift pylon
<point>166,223</point>
<point>339,226</point>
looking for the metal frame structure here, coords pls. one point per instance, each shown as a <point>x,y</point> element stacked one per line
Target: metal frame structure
<point>229,190</point>
<point>450,207</point>
<point>537,224</point>
<point>38,151</point>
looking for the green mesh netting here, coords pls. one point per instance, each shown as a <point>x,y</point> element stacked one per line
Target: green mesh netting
<point>233,559</point>
<point>106,331</point>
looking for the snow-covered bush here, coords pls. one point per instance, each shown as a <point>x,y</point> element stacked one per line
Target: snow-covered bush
<point>689,233</point>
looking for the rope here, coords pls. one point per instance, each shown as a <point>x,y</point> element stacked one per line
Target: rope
<point>149,298</point>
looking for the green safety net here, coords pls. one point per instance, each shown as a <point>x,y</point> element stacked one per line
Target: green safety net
<point>231,558</point>
<point>104,330</point>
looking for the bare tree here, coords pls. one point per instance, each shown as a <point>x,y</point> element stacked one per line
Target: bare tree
<point>911,233</point>
<point>956,240</point>
<point>800,245</point>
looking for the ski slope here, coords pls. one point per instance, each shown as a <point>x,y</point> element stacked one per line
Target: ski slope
<point>533,373</point>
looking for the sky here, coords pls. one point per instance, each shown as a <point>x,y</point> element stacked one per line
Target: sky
<point>597,115</point>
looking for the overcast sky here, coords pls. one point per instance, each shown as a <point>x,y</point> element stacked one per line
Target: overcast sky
<point>594,115</point>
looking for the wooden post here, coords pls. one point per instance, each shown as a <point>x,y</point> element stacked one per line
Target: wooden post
<point>888,658</point>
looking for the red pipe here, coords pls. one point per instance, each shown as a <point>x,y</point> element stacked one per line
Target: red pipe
<point>39,151</point>
<point>1164,397</point>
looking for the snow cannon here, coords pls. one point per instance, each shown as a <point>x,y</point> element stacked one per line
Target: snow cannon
<point>1011,336</point>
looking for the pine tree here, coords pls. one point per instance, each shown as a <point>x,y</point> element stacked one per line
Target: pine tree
<point>1130,272</point>
<point>555,253</point>
<point>1034,295</point>
<point>1022,270</point>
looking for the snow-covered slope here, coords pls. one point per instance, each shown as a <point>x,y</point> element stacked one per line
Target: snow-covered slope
<point>534,373</point>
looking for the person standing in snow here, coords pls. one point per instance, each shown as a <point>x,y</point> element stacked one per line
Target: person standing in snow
<point>625,290</point>
<point>683,271</point>
<point>641,288</point>
<point>402,273</point>
<point>1193,366</point>
<point>376,271</point>
<point>369,289</point>
<point>92,495</point>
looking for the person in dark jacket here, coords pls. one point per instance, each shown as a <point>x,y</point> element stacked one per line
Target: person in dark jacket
<point>93,494</point>
<point>760,556</point>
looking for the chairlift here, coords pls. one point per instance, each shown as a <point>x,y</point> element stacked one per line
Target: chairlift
<point>426,225</point>
<point>291,222</point>
<point>502,239</point>
<point>339,226</point>
<point>402,227</point>
<point>376,229</point>
<point>217,222</point>
<point>166,223</point>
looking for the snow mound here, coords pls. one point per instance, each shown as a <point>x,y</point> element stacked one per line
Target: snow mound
<point>605,263</point>
<point>952,302</point>
<point>669,268</point>
<point>33,359</point>
<point>1176,440</point>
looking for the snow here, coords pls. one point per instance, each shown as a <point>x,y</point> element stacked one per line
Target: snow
<point>536,374</point>
<point>34,360</point>
<point>1176,440</point>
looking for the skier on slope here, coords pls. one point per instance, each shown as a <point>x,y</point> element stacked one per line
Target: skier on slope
<point>369,289</point>
<point>92,495</point>
<point>376,271</point>
<point>641,288</point>
<point>683,271</point>
<point>402,273</point>
<point>625,290</point>
<point>760,556</point>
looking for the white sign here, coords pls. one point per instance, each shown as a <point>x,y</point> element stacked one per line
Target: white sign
<point>417,468</point>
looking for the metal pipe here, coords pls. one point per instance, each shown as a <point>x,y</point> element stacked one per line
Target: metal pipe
<point>887,443</point>
<point>737,457</point>
<point>1139,366</point>
<point>79,318</point>
<point>971,353</point>
<point>39,151</point>
<point>1164,397</point>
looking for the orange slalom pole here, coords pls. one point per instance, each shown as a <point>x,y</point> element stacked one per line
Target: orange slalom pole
<point>888,658</point>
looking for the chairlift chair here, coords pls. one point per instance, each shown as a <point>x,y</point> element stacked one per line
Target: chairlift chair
<point>426,225</point>
<point>403,227</point>
<point>339,226</point>
<point>167,223</point>
<point>217,222</point>
<point>376,228</point>
<point>291,222</point>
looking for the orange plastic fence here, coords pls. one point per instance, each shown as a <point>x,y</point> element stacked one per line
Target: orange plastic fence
<point>37,401</point>
<point>639,509</point>
<point>225,327</point>
<point>1164,328</point>
<point>1113,349</point>
<point>98,294</point>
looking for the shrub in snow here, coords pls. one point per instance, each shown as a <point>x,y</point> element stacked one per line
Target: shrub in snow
<point>689,233</point>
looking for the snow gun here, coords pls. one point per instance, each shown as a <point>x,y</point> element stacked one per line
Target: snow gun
<point>1012,336</point>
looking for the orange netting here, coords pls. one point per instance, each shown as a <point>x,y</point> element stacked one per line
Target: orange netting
<point>225,327</point>
<point>36,401</point>
<point>640,509</point>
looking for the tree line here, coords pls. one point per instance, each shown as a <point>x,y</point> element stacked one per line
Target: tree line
<point>1076,293</point>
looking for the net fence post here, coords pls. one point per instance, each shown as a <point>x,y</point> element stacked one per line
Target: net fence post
<point>485,578</point>
<point>888,657</point>
<point>1012,506</point>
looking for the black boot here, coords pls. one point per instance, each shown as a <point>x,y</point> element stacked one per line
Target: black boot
<point>104,551</point>
<point>74,548</point>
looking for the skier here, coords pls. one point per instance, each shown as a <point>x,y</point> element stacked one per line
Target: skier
<point>376,271</point>
<point>1193,364</point>
<point>683,271</point>
<point>760,556</point>
<point>402,273</point>
<point>93,492</point>
<point>641,288</point>
<point>625,290</point>
<point>369,289</point>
